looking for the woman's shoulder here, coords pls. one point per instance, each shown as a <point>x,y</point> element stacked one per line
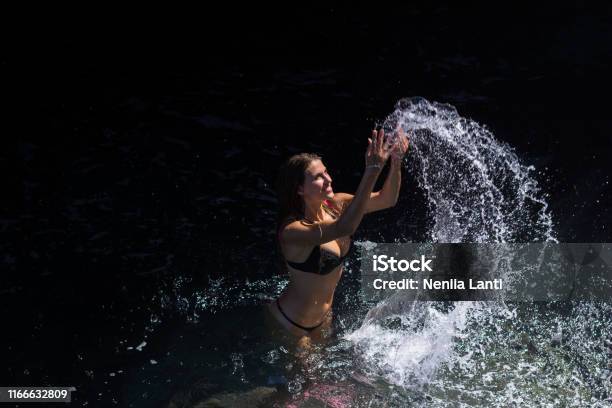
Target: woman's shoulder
<point>340,201</point>
<point>293,223</point>
<point>342,198</point>
<point>294,233</point>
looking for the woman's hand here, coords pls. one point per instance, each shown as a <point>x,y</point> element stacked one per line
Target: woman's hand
<point>401,145</point>
<point>378,150</point>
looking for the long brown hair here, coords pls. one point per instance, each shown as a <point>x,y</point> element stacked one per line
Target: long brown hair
<point>290,204</point>
<point>290,178</point>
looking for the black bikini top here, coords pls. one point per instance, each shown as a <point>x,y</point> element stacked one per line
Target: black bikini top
<point>320,261</point>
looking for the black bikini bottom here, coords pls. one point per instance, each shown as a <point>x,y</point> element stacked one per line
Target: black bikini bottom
<point>280,309</point>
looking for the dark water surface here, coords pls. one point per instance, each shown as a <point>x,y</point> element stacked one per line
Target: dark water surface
<point>143,175</point>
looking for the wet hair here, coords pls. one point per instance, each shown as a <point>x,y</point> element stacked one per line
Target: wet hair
<point>290,178</point>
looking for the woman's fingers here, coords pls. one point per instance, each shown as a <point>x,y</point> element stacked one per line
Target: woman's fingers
<point>399,131</point>
<point>389,143</point>
<point>376,147</point>
<point>375,142</point>
<point>379,145</point>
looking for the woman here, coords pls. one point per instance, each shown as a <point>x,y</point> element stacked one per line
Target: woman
<point>315,225</point>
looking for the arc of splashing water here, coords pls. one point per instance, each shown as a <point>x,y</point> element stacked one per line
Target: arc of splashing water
<point>477,147</point>
<point>474,148</point>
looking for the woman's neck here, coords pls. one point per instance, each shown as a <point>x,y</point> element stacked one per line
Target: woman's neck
<point>314,211</point>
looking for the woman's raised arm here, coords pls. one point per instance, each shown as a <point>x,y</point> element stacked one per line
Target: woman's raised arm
<point>299,232</point>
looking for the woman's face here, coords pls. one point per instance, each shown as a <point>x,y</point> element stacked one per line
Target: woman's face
<point>317,183</point>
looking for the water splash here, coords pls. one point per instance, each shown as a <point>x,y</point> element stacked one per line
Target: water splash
<point>477,190</point>
<point>476,187</point>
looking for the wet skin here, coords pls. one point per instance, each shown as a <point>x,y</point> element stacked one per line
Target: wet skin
<point>308,298</point>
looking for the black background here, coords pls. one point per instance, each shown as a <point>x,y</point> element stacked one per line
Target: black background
<point>146,147</point>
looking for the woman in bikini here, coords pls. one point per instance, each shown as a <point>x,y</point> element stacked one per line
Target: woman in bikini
<point>315,225</point>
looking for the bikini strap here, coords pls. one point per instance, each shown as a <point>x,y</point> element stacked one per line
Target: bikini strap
<point>280,309</point>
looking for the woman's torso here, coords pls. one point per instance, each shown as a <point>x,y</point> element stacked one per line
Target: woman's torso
<point>309,295</point>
